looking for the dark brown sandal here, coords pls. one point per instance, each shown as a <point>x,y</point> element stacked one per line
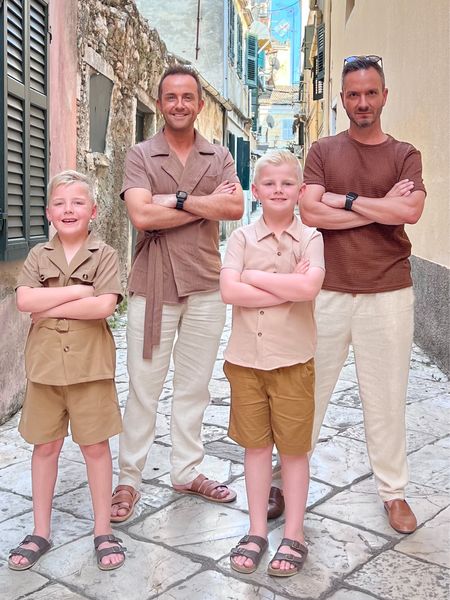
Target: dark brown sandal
<point>253,555</point>
<point>100,539</point>
<point>207,488</point>
<point>32,556</point>
<point>297,561</point>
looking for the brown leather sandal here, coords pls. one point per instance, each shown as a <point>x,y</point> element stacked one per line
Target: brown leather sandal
<point>253,555</point>
<point>124,494</point>
<point>206,488</point>
<point>119,549</point>
<point>32,556</point>
<point>293,559</point>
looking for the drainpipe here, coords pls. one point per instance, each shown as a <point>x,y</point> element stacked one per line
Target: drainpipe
<point>197,48</point>
<point>226,30</point>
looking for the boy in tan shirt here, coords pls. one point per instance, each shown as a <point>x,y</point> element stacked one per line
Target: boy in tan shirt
<point>70,285</point>
<point>273,270</point>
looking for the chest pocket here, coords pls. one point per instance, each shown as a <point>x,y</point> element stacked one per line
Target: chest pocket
<point>207,184</point>
<point>49,276</point>
<point>83,275</point>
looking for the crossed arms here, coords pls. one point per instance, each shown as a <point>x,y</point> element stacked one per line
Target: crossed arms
<point>157,211</point>
<point>253,288</point>
<point>69,302</point>
<point>400,205</point>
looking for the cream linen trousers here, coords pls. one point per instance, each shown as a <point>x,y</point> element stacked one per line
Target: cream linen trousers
<point>380,329</point>
<point>195,327</point>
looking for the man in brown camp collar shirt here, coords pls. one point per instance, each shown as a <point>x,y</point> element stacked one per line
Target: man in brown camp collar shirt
<point>177,186</point>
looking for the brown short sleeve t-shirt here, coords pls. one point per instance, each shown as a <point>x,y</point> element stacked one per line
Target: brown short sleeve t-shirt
<point>375,257</point>
<point>262,338</point>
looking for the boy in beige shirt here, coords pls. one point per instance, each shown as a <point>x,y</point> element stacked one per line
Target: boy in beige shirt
<point>70,285</point>
<point>273,270</point>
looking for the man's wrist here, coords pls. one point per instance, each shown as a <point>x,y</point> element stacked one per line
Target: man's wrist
<point>350,197</point>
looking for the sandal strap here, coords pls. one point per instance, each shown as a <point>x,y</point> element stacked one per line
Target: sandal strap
<point>100,539</point>
<point>251,554</point>
<point>206,486</point>
<point>31,555</point>
<point>254,539</point>
<point>294,545</point>
<point>290,558</point>
<point>123,493</point>
<point>108,551</point>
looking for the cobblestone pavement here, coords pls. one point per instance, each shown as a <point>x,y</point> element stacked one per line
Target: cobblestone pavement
<point>178,545</point>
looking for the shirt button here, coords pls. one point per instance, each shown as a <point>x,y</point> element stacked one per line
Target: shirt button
<point>278,253</point>
<point>259,334</point>
<point>261,312</point>
<point>66,348</point>
<point>42,277</point>
<point>85,276</point>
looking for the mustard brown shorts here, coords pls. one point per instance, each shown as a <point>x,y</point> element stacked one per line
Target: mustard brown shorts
<point>272,407</point>
<point>91,408</point>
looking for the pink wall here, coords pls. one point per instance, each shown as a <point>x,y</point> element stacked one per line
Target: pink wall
<point>63,85</point>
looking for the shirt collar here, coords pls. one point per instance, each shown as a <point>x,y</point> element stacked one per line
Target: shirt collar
<point>92,242</point>
<point>294,229</point>
<point>160,147</point>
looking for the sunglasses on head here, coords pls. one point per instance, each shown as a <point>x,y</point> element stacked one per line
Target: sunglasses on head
<point>370,57</point>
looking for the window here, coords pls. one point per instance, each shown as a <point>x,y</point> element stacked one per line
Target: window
<point>252,61</point>
<point>100,88</point>
<point>239,48</point>
<point>231,20</point>
<point>319,64</point>
<point>23,126</point>
<point>243,162</point>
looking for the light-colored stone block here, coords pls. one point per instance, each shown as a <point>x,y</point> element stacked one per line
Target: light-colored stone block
<point>211,585</point>
<point>188,524</point>
<point>56,592</point>
<point>10,453</point>
<point>341,417</point>
<point>16,584</point>
<point>217,414</point>
<point>397,576</point>
<point>430,466</point>
<point>12,505</point>
<point>334,550</point>
<point>431,542</point>
<point>65,527</point>
<point>339,461</point>
<point>344,594</point>
<point>149,570</point>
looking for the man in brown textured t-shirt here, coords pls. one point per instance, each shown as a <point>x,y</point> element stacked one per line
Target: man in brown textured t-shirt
<point>362,187</point>
<point>177,186</point>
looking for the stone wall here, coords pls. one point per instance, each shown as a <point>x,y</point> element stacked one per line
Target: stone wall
<point>114,40</point>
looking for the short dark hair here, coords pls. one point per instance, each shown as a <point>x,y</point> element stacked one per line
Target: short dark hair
<point>361,64</point>
<point>181,70</point>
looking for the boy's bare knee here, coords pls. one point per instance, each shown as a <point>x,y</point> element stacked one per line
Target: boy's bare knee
<point>48,450</point>
<point>95,451</point>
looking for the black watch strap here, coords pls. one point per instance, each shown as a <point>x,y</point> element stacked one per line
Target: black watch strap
<point>181,199</point>
<point>349,199</point>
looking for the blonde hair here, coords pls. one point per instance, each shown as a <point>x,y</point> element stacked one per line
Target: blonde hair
<point>277,158</point>
<point>67,178</point>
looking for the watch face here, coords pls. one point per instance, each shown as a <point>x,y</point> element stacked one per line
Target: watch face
<point>181,195</point>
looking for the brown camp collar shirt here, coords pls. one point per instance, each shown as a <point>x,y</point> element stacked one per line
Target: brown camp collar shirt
<point>171,264</point>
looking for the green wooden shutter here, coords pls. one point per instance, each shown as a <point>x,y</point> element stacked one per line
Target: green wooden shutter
<point>23,125</point>
<point>252,60</point>
<point>243,162</point>
<point>231,20</point>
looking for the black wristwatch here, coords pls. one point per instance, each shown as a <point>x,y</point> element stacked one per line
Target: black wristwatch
<point>349,199</point>
<point>181,199</point>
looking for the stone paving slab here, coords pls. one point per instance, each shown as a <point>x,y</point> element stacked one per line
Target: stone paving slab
<point>149,570</point>
<point>210,584</point>
<point>13,505</point>
<point>361,505</point>
<point>430,466</point>
<point>345,594</point>
<point>56,592</point>
<point>431,542</point>
<point>15,584</point>
<point>335,549</point>
<point>394,576</point>
<point>340,461</point>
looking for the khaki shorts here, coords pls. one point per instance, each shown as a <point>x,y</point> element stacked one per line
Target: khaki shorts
<point>91,408</point>
<point>270,407</point>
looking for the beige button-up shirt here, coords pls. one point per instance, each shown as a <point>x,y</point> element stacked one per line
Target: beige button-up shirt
<point>275,336</point>
<point>174,263</point>
<point>68,351</point>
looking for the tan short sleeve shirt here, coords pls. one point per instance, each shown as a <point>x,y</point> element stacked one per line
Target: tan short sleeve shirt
<point>275,336</point>
<point>68,351</point>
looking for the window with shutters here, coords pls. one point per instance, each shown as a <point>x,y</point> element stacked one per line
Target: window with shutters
<point>252,61</point>
<point>319,64</point>
<point>239,48</point>
<point>231,40</point>
<point>23,126</point>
